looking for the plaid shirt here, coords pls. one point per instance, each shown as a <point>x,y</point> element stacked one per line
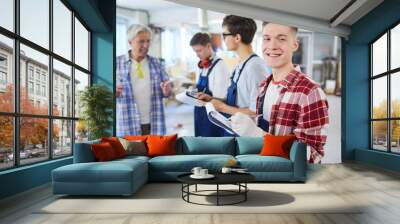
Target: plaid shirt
<point>128,115</point>
<point>301,109</point>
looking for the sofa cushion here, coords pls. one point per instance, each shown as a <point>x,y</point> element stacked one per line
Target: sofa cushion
<point>103,152</point>
<point>159,145</point>
<point>116,145</point>
<point>249,145</point>
<point>112,171</point>
<point>185,163</point>
<point>206,145</point>
<point>83,152</point>
<point>277,145</point>
<point>134,147</point>
<point>257,163</point>
<point>136,137</point>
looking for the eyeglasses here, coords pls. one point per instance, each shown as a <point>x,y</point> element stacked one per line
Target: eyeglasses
<point>227,34</point>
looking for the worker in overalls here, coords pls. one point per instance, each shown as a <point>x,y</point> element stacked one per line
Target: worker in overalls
<point>212,79</point>
<point>238,33</point>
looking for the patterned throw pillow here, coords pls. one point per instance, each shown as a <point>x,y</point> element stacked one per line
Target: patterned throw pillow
<point>134,147</point>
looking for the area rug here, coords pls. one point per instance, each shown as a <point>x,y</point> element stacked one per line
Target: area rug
<point>167,198</point>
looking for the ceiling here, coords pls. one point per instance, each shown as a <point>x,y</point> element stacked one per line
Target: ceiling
<point>315,15</point>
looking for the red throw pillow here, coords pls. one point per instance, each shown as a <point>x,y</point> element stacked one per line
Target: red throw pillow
<point>116,145</point>
<point>136,137</point>
<point>103,152</point>
<point>277,145</point>
<point>161,145</point>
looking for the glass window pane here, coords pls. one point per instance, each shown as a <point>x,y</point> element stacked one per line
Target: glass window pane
<point>34,72</point>
<point>379,55</point>
<point>395,138</point>
<point>395,95</point>
<point>81,81</point>
<point>395,47</point>
<point>35,21</point>
<point>379,135</point>
<point>62,89</point>
<point>62,29</point>
<point>6,74</point>
<point>81,131</point>
<point>379,98</point>
<point>6,142</point>
<point>62,141</point>
<point>81,45</point>
<point>7,14</point>
<point>33,139</point>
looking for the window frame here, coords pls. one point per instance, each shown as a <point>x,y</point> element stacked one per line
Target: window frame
<point>15,68</point>
<point>388,74</point>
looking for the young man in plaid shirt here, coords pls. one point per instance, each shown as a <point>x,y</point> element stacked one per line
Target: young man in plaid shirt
<point>289,102</point>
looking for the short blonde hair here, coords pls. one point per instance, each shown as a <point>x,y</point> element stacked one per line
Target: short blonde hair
<point>135,29</point>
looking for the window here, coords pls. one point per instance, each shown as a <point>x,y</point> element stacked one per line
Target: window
<point>81,45</point>
<point>3,61</point>
<point>37,74</point>
<point>43,77</point>
<point>3,78</point>
<point>30,87</point>
<point>3,72</point>
<point>54,126</point>
<point>30,72</point>
<point>7,14</point>
<point>43,90</point>
<point>62,75</point>
<point>35,22</point>
<point>6,73</point>
<point>38,89</point>
<point>385,97</point>
<point>62,29</point>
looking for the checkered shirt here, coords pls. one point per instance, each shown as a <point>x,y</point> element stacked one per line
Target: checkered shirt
<point>301,109</point>
<point>128,115</point>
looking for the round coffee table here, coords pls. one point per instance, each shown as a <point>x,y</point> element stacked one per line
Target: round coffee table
<point>238,179</point>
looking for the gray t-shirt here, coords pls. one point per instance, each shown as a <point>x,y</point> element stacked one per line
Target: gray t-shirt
<point>252,74</point>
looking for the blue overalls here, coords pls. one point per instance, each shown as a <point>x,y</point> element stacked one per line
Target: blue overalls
<point>261,122</point>
<point>202,125</point>
<point>231,97</point>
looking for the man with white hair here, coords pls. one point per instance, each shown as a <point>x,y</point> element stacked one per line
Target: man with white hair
<point>142,82</point>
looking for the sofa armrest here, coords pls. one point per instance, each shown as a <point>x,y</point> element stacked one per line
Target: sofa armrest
<point>83,152</point>
<point>298,155</point>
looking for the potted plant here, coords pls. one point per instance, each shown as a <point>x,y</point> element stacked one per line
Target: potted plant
<point>96,103</point>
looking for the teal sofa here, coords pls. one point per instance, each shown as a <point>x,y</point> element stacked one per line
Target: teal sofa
<point>125,176</point>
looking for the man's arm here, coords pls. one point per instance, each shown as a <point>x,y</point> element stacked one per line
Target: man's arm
<point>224,108</point>
<point>312,123</point>
<point>166,85</point>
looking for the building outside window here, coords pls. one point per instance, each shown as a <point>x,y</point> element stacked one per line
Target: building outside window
<point>34,55</point>
<point>385,96</point>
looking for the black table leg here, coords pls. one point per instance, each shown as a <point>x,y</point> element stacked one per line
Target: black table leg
<point>245,193</point>
<point>217,194</point>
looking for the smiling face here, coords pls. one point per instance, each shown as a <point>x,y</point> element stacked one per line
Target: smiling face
<point>279,43</point>
<point>140,44</point>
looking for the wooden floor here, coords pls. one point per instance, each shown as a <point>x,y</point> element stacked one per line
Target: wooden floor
<point>377,188</point>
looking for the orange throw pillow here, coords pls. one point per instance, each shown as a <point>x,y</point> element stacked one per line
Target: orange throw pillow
<point>277,145</point>
<point>116,145</point>
<point>136,137</point>
<point>103,152</point>
<point>161,145</point>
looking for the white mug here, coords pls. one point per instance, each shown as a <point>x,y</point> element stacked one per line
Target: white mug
<point>196,171</point>
<point>203,172</point>
<point>226,170</point>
